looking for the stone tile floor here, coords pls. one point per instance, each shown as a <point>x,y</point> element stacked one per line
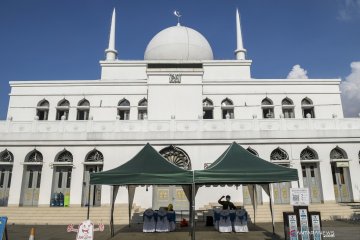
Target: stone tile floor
<point>344,230</point>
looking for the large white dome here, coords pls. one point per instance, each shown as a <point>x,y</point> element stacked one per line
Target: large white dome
<point>178,43</point>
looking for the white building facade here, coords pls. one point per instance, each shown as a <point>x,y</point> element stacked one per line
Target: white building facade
<point>190,107</point>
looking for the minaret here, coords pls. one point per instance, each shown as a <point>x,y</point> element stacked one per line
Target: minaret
<point>240,51</point>
<point>111,53</point>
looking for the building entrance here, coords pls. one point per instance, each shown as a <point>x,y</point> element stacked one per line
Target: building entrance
<point>61,182</point>
<point>95,190</point>
<point>31,185</point>
<point>247,197</point>
<point>341,181</point>
<point>164,195</point>
<point>5,182</point>
<point>311,180</point>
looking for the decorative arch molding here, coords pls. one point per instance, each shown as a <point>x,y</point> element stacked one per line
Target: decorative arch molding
<point>6,156</point>
<point>308,154</point>
<point>94,156</point>
<point>227,102</point>
<point>44,103</point>
<point>279,154</point>
<point>208,103</point>
<point>64,156</point>
<point>84,103</point>
<point>143,102</point>
<point>124,103</point>
<point>267,101</point>
<point>34,156</point>
<point>338,153</point>
<point>63,103</point>
<point>252,151</point>
<point>176,156</point>
<point>287,101</point>
<point>306,101</point>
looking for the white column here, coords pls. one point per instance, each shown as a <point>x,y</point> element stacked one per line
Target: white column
<point>16,183</point>
<point>327,181</point>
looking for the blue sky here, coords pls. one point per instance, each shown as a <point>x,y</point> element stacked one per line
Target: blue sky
<point>64,40</point>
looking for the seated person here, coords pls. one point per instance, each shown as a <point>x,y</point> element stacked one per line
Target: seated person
<point>227,204</point>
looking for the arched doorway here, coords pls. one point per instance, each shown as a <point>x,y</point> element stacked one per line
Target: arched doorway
<point>245,188</point>
<point>311,174</point>
<point>6,165</point>
<point>281,190</point>
<point>341,175</point>
<point>93,163</point>
<point>62,178</point>
<point>163,195</point>
<point>31,179</point>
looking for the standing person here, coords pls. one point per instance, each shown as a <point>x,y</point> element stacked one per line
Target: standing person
<point>226,204</point>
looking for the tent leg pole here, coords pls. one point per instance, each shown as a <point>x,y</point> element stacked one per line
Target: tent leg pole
<point>193,211</point>
<point>271,211</point>
<point>298,184</point>
<point>254,203</point>
<point>88,209</point>
<point>112,233</point>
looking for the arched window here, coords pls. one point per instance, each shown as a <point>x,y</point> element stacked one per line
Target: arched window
<point>308,154</point>
<point>34,156</point>
<point>279,154</point>
<point>6,156</point>
<point>307,108</point>
<point>62,110</point>
<point>227,108</point>
<point>42,110</point>
<point>208,109</point>
<point>142,109</point>
<point>288,108</point>
<point>83,110</point>
<point>252,151</point>
<point>124,109</point>
<point>267,108</point>
<point>338,153</point>
<point>94,156</point>
<point>177,156</point>
<point>64,156</point>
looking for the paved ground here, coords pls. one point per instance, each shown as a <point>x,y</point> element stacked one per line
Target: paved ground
<point>340,229</point>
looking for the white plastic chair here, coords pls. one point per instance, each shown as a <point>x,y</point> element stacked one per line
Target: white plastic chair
<point>149,221</point>
<point>216,218</point>
<point>225,222</point>
<point>240,223</point>
<point>172,220</point>
<point>162,223</point>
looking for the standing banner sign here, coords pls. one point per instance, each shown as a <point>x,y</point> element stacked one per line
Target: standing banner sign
<point>293,232</point>
<point>3,230</point>
<point>304,224</point>
<point>315,223</point>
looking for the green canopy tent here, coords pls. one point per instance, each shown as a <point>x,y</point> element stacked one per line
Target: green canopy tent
<point>238,166</point>
<point>147,167</point>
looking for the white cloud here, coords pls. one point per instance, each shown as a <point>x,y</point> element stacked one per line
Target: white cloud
<point>348,9</point>
<point>350,91</point>
<point>297,73</point>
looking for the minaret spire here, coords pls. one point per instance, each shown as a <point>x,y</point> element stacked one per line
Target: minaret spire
<point>111,53</point>
<point>240,51</point>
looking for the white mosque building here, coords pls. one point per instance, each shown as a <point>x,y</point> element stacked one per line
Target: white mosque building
<point>190,107</point>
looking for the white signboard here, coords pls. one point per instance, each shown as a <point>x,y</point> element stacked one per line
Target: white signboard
<point>299,196</point>
<point>315,220</point>
<point>293,233</point>
<point>304,225</point>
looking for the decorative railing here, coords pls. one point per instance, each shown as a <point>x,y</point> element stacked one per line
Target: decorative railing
<point>201,125</point>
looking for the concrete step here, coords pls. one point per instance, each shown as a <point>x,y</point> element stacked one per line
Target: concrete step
<point>64,216</point>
